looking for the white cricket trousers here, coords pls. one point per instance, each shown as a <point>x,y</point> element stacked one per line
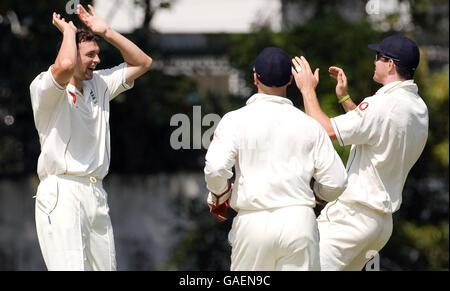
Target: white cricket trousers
<point>281,239</point>
<point>350,234</point>
<point>73,224</point>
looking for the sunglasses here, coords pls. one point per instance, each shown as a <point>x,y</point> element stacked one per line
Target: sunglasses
<point>385,58</point>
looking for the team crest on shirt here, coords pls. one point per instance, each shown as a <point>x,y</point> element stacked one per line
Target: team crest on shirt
<point>94,99</point>
<point>361,107</point>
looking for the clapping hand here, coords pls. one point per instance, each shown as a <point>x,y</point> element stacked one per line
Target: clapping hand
<point>96,24</point>
<point>304,78</point>
<point>342,85</point>
<point>61,23</point>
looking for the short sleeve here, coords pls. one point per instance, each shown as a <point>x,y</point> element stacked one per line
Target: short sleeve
<point>359,126</point>
<point>45,92</point>
<point>115,79</point>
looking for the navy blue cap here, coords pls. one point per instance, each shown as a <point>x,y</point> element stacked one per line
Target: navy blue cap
<point>402,50</point>
<point>273,67</point>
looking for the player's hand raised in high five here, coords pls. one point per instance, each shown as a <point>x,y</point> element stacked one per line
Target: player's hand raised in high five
<point>64,65</point>
<point>341,88</point>
<point>342,85</point>
<point>304,78</point>
<point>94,22</point>
<point>61,24</point>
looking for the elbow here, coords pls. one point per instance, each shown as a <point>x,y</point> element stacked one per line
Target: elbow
<point>328,193</point>
<point>332,135</point>
<point>63,70</point>
<point>213,171</point>
<point>332,195</point>
<point>67,66</point>
<point>148,63</point>
<point>330,130</point>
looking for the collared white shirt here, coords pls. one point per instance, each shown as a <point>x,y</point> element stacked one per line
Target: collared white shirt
<point>73,127</point>
<point>388,132</point>
<point>276,149</point>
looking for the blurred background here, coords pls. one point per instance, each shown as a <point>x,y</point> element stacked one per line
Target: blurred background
<point>203,52</point>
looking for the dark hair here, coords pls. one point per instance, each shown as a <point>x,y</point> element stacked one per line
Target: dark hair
<point>82,35</point>
<point>404,73</point>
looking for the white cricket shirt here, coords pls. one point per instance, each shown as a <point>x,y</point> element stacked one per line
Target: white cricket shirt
<point>388,132</point>
<point>73,127</point>
<point>276,149</point>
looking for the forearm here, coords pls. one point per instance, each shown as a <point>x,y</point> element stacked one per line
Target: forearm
<point>348,105</point>
<point>131,53</point>
<point>312,108</point>
<point>216,177</point>
<point>327,193</point>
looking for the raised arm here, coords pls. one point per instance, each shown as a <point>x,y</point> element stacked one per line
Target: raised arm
<point>64,66</point>
<point>137,61</point>
<point>306,82</point>
<point>341,87</point>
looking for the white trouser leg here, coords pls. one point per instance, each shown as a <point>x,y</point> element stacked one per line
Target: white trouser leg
<point>100,248</point>
<point>73,225</point>
<point>278,239</point>
<point>348,232</point>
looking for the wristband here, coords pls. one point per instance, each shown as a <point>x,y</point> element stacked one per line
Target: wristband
<point>344,99</point>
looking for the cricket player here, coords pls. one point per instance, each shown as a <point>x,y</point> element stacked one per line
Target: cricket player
<point>276,150</point>
<point>71,112</point>
<point>388,132</point>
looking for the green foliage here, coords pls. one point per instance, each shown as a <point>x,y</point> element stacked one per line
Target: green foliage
<point>205,245</point>
<point>430,15</point>
<point>436,95</point>
<point>431,240</point>
<point>419,247</point>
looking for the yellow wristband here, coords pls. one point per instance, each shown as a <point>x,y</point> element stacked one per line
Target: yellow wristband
<point>343,99</point>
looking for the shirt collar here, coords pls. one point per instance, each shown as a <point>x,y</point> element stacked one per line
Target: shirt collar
<point>73,89</point>
<point>408,85</point>
<point>270,98</point>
